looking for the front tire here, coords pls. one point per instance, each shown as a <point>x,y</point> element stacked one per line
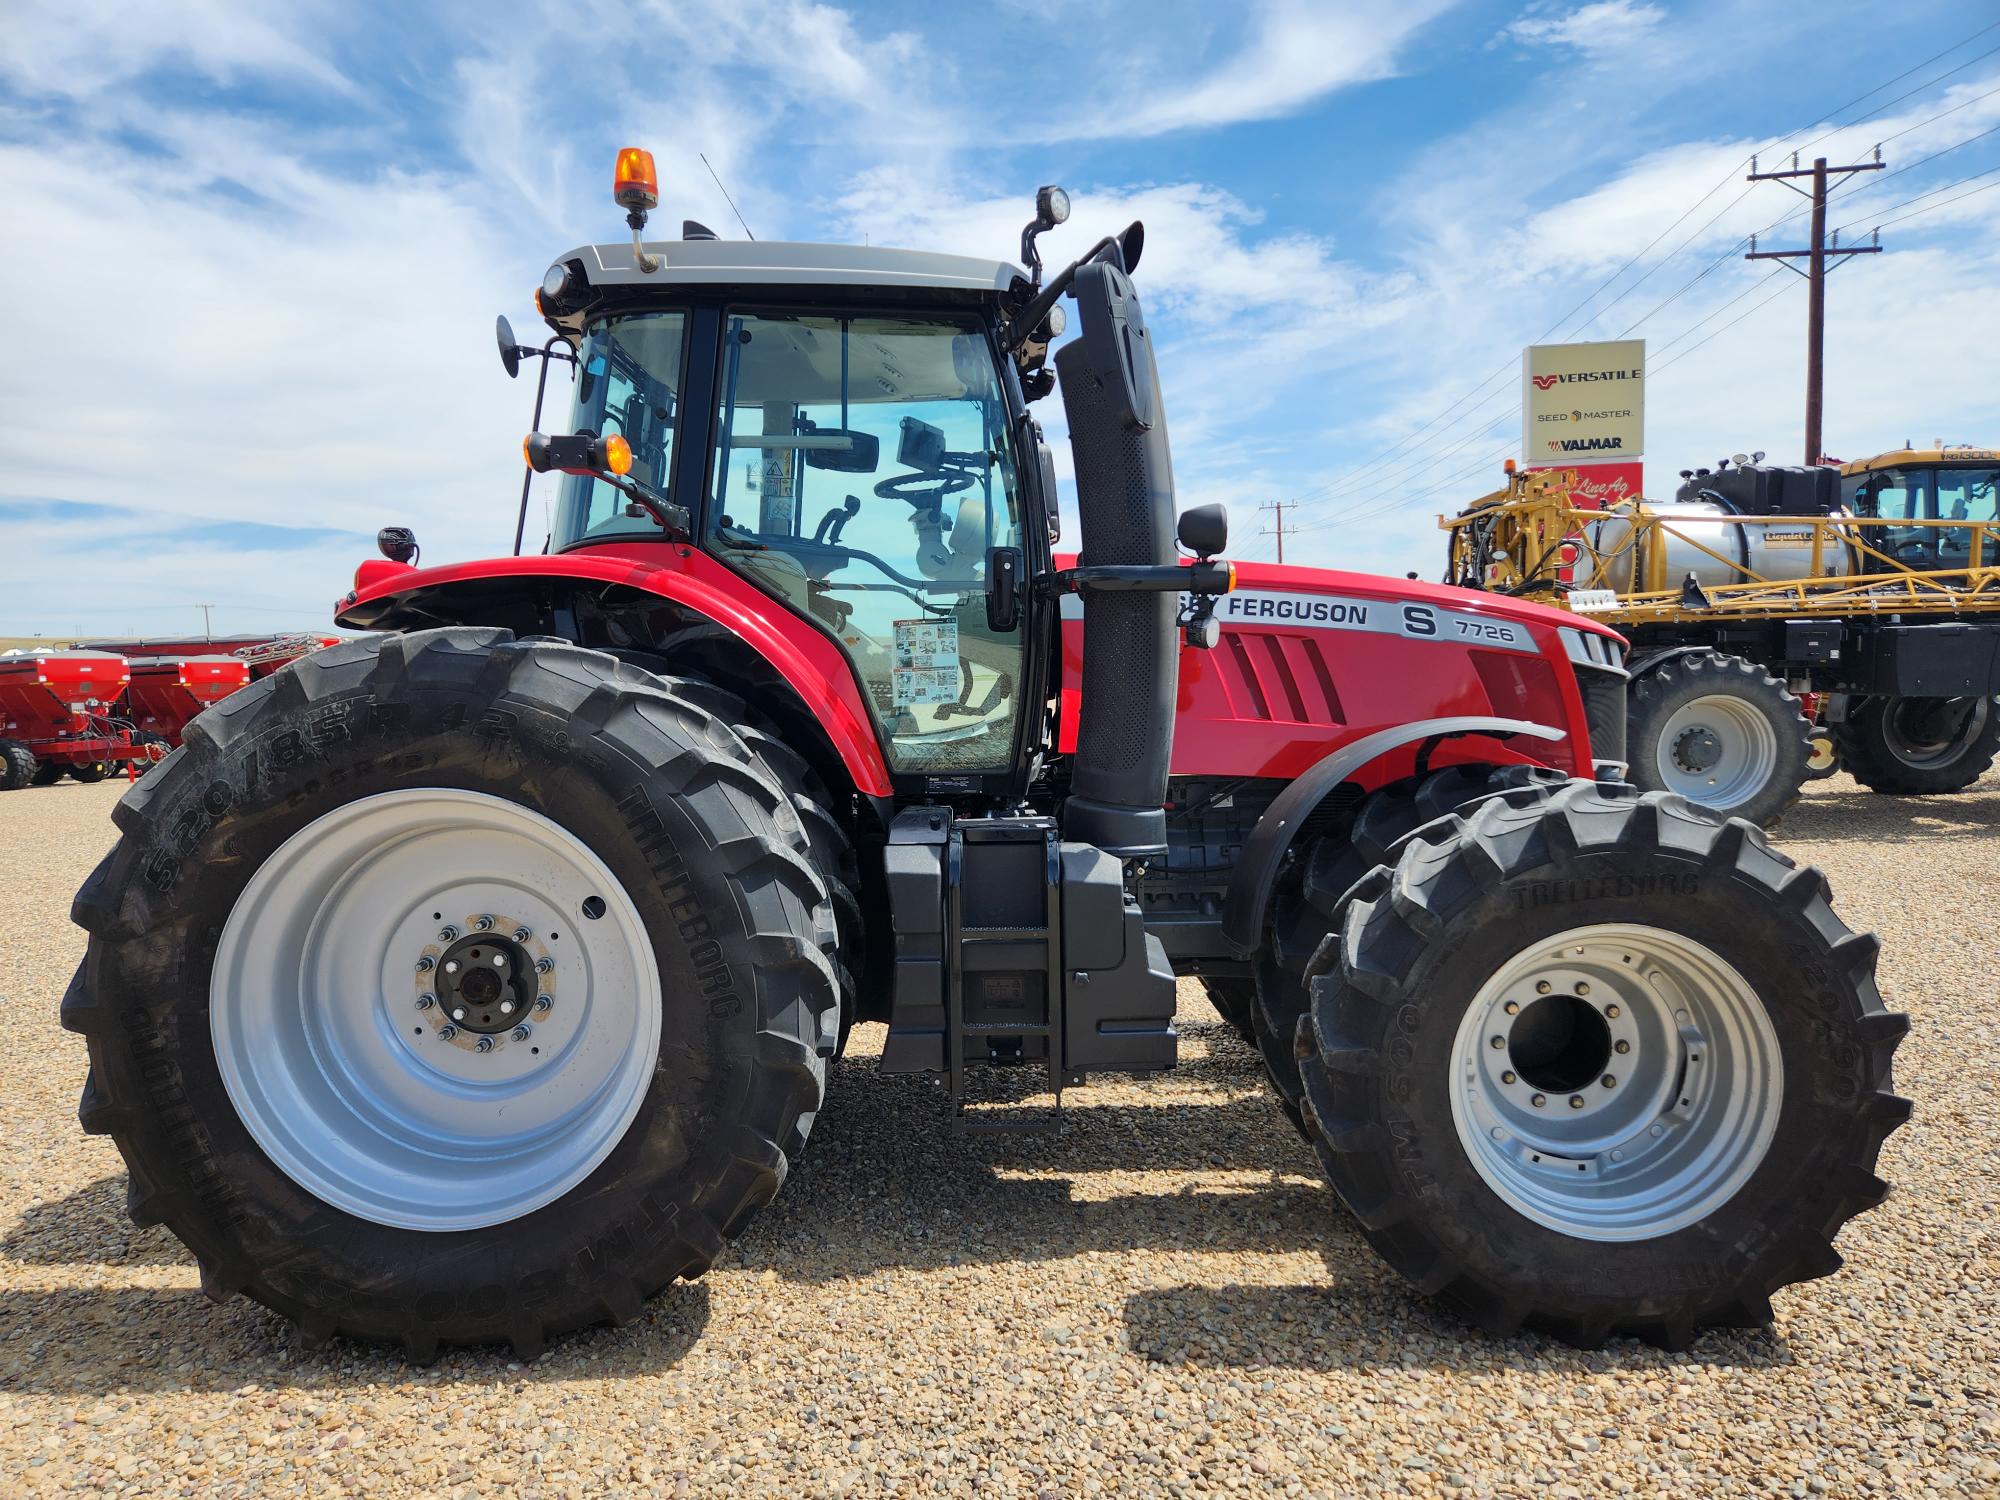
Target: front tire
<point>1486,1001</point>
<point>1720,731</point>
<point>317,1140</point>
<point>1916,747</point>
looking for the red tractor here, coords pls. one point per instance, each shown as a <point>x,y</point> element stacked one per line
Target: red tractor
<point>473,981</point>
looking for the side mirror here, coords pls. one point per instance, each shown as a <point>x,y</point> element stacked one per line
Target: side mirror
<point>510,352</point>
<point>844,450</point>
<point>1130,244</point>
<point>1204,530</point>
<point>1004,567</point>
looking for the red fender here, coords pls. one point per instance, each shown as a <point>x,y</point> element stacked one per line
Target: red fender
<point>812,664</point>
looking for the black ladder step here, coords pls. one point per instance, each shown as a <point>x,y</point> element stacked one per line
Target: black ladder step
<point>1004,1028</point>
<point>1001,934</point>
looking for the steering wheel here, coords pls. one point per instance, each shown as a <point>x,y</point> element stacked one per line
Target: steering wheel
<point>924,490</point>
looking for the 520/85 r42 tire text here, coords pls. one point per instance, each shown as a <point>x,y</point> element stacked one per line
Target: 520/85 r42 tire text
<point>448,988</point>
<point>1604,1063</point>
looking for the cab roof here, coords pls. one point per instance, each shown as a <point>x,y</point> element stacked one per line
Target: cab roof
<point>783,263</point>
<point>1959,453</point>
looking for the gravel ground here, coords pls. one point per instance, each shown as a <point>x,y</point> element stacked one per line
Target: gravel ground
<point>1162,1299</point>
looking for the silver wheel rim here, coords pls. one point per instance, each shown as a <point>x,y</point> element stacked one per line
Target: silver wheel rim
<point>1718,751</point>
<point>1693,1097</point>
<point>328,1001</point>
<point>1921,754</point>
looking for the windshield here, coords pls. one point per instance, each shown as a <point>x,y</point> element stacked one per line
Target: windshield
<point>1930,494</point>
<point>628,381</point>
<point>864,467</point>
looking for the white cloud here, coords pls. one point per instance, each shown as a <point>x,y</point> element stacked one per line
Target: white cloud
<point>1286,55</point>
<point>1595,30</point>
<point>82,48</point>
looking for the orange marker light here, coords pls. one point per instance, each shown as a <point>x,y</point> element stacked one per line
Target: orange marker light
<point>617,454</point>
<point>636,184</point>
<point>528,451</point>
<point>1232,578</point>
<point>1508,467</point>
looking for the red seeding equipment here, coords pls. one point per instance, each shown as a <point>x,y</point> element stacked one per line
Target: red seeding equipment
<point>167,691</point>
<point>59,713</point>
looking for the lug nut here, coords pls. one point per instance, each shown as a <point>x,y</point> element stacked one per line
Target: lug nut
<point>506,1007</point>
<point>459,1014</point>
<point>1499,1041</point>
<point>1582,988</point>
<point>486,1044</point>
<point>541,1003</point>
<point>1611,1011</point>
<point>484,924</point>
<point>1542,986</point>
<point>452,967</point>
<point>522,934</point>
<point>1539,1100</point>
<point>499,960</point>
<point>1609,1080</point>
<point>426,964</point>
<point>1506,1077</point>
<point>447,1031</point>
<point>447,934</point>
<point>1576,1101</point>
<point>544,965</point>
<point>1512,1007</point>
<point>522,1033</point>
<point>1621,1048</point>
<point>426,1000</point>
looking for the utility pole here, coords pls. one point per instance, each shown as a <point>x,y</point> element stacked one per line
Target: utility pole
<point>1277,526</point>
<point>206,633</point>
<point>1816,257</point>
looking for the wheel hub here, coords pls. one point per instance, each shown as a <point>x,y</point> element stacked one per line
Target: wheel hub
<point>1617,1082</point>
<point>486,985</point>
<point>435,1009</point>
<point>1698,750</point>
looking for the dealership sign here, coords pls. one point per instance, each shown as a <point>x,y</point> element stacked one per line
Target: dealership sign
<point>1583,403</point>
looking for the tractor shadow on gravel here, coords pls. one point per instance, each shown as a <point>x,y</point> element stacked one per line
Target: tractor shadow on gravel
<point>97,1341</point>
<point>886,1184</point>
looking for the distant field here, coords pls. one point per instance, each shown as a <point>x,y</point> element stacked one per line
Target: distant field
<point>9,642</point>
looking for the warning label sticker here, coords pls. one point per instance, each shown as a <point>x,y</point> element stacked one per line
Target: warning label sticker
<point>926,669</point>
<point>916,686</point>
<point>927,643</point>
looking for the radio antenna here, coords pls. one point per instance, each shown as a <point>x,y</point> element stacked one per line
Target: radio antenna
<point>726,198</point>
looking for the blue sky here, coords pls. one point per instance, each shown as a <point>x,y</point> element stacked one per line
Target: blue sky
<point>255,251</point>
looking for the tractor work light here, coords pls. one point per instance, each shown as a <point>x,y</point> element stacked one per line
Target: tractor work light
<point>636,184</point>
<point>1051,206</point>
<point>555,281</point>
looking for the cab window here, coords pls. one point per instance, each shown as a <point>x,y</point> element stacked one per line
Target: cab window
<point>628,380</point>
<point>863,468</point>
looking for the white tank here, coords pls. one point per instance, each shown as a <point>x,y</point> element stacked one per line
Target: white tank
<point>1778,549</point>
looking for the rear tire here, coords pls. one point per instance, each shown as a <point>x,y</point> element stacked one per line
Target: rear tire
<point>91,772</point>
<point>705,883</point>
<point>18,767</point>
<point>1915,747</point>
<point>1755,1067</point>
<point>1720,731</point>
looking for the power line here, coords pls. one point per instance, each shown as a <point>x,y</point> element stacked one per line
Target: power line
<point>1362,473</point>
<point>1277,528</point>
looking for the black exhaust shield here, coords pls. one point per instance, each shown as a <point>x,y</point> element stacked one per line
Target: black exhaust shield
<point>1125,498</point>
